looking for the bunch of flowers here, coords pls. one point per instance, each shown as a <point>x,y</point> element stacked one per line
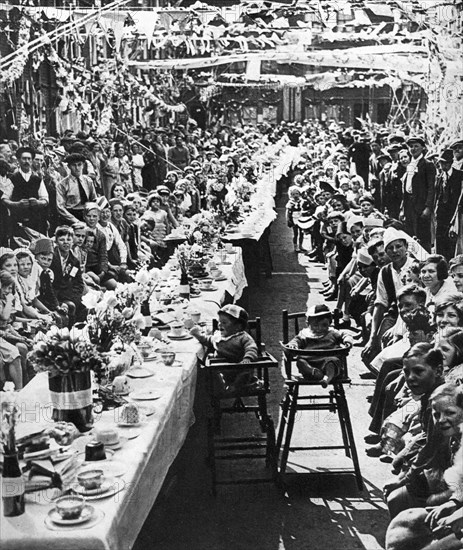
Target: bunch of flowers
<point>9,412</point>
<point>203,229</point>
<point>117,315</point>
<point>230,212</point>
<point>60,352</point>
<point>183,256</point>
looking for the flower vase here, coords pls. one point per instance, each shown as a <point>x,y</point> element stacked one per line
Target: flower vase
<point>71,397</point>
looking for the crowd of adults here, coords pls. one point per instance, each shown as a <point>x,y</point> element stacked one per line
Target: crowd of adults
<point>383,214</point>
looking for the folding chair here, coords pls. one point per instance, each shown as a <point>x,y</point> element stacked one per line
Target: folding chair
<point>334,401</point>
<point>243,402</point>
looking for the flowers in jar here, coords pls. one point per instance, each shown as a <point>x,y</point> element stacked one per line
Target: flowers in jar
<point>59,353</point>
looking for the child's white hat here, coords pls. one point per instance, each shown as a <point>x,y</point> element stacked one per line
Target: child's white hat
<point>236,312</point>
<point>320,310</point>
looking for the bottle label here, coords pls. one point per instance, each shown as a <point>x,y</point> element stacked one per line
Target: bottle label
<point>184,290</point>
<point>12,486</point>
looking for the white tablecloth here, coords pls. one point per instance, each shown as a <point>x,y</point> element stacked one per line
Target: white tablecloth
<point>147,457</point>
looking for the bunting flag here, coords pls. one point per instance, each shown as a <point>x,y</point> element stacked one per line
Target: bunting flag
<point>146,21</point>
<point>114,21</point>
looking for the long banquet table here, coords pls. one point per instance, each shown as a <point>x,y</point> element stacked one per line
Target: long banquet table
<point>147,457</point>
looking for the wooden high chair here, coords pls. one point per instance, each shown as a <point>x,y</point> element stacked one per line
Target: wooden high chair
<point>334,401</point>
<point>248,399</point>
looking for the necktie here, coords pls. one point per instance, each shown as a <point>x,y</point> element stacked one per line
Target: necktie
<point>445,188</point>
<point>82,192</point>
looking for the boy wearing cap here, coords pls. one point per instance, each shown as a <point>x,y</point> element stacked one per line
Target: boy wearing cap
<point>318,335</point>
<point>233,344</point>
<point>43,252</point>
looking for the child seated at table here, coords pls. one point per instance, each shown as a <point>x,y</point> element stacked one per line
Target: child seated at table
<point>319,334</point>
<point>12,355</point>
<point>232,344</point>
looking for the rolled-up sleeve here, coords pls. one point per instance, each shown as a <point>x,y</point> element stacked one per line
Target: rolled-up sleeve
<point>381,294</point>
<point>43,193</point>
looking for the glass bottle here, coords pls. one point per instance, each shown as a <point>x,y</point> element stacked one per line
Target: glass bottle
<point>13,487</point>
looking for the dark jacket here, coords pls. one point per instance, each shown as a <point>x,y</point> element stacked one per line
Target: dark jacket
<point>97,257</point>
<point>446,201</point>
<point>423,183</point>
<point>68,283</point>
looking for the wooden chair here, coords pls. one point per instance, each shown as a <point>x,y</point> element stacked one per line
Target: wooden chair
<point>242,402</point>
<point>334,401</point>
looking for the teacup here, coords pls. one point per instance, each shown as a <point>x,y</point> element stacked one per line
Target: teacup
<point>90,479</point>
<point>177,329</point>
<point>216,273</point>
<point>108,436</point>
<point>212,265</point>
<point>70,506</point>
<point>121,385</point>
<point>145,349</point>
<point>228,247</point>
<point>206,283</point>
<point>168,358</point>
<point>195,316</point>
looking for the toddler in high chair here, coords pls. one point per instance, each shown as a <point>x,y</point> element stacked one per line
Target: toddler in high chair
<point>234,345</point>
<point>319,334</point>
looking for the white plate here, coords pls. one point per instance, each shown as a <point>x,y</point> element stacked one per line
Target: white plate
<point>105,487</point>
<point>218,279</point>
<point>147,410</point>
<point>132,433</point>
<point>114,468</point>
<point>139,373</point>
<point>128,425</point>
<point>185,336</point>
<point>145,395</point>
<point>210,289</point>
<point>86,514</point>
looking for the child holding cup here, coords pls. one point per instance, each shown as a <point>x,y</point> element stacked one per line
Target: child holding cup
<point>232,344</point>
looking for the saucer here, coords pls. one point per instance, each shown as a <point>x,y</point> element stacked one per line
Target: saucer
<point>114,468</point>
<point>104,488</point>
<point>115,487</point>
<point>145,395</point>
<point>113,446</point>
<point>139,373</point>
<point>87,513</point>
<point>108,452</point>
<point>184,336</point>
<point>212,288</point>
<point>223,278</point>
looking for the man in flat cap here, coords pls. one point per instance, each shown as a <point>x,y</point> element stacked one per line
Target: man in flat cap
<point>27,197</point>
<point>448,189</point>
<point>418,193</point>
<point>73,191</point>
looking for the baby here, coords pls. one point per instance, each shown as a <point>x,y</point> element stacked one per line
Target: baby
<point>232,344</point>
<point>319,334</point>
